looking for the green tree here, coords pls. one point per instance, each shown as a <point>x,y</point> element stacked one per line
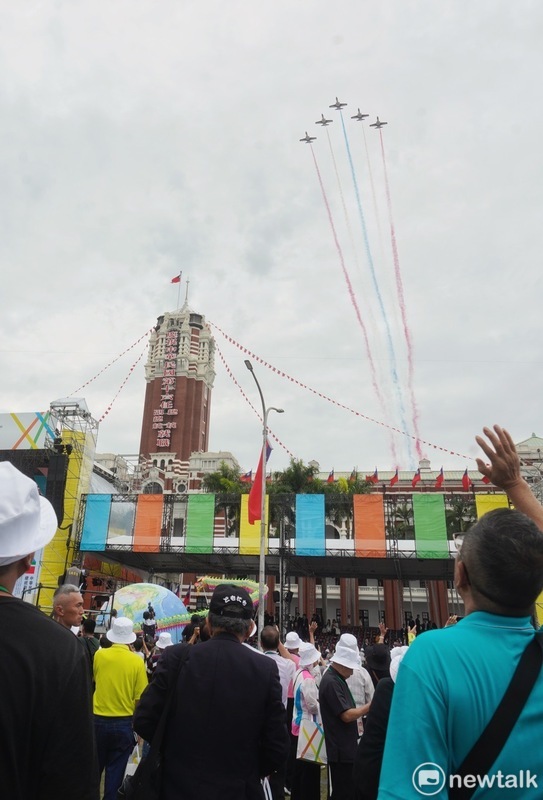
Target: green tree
<point>460,515</point>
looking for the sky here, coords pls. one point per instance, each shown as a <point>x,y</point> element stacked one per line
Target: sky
<point>138,139</point>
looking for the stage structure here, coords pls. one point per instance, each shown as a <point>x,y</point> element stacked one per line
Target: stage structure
<point>307,536</point>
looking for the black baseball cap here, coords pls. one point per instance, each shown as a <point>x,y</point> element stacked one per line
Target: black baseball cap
<point>229,600</point>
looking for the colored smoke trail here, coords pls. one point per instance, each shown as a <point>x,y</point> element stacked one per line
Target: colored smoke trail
<point>392,354</point>
<point>374,197</point>
<point>355,255</point>
<point>349,285</point>
<point>401,300</point>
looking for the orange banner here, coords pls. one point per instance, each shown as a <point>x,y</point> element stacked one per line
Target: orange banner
<point>148,524</point>
<point>369,525</point>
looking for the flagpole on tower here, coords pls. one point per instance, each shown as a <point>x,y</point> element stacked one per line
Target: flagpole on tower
<point>262,558</point>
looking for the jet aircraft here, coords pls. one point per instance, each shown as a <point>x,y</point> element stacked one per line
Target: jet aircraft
<point>359,116</point>
<point>337,105</point>
<point>378,124</point>
<point>324,122</point>
<point>307,138</point>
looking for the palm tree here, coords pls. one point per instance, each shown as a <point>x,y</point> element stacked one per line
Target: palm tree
<point>460,515</point>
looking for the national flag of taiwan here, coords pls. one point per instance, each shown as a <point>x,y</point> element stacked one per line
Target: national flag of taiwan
<point>247,478</point>
<point>394,479</point>
<point>466,481</point>
<point>255,495</point>
<point>177,278</point>
<point>416,478</point>
<point>353,476</point>
<point>373,478</point>
<point>485,479</point>
<point>440,478</point>
<point>186,600</point>
<point>330,478</point>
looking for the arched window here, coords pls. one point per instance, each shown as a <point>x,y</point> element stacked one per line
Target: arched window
<point>152,488</point>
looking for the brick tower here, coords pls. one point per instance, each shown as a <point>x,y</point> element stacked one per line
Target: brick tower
<point>179,374</point>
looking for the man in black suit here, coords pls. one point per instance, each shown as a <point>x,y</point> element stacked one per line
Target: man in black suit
<point>226,729</point>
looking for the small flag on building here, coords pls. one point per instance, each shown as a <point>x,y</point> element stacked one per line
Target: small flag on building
<point>416,478</point>
<point>485,479</point>
<point>394,479</point>
<point>466,481</point>
<point>247,478</point>
<point>440,478</point>
<point>353,476</point>
<point>373,478</point>
<point>330,478</point>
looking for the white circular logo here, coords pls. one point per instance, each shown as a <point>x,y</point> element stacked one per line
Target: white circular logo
<point>428,779</point>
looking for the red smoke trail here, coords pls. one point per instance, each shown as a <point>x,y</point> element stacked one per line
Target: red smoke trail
<point>401,300</point>
<point>352,295</point>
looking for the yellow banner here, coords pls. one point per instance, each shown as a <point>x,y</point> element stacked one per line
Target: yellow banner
<point>249,535</point>
<point>488,502</point>
<point>539,608</point>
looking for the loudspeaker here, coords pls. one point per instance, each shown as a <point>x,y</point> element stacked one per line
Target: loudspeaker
<point>56,483</point>
<point>276,597</point>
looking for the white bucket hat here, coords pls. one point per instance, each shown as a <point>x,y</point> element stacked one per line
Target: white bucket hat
<point>308,654</point>
<point>121,631</point>
<point>27,520</point>
<point>397,658</point>
<point>164,640</point>
<point>347,654</point>
<point>293,641</point>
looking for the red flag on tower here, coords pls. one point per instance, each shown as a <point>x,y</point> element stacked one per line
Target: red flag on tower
<point>440,479</point>
<point>177,278</point>
<point>394,479</point>
<point>255,495</point>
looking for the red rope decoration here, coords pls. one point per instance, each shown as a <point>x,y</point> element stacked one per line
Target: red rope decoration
<point>229,371</point>
<point>331,400</point>
<point>111,363</point>
<point>121,387</point>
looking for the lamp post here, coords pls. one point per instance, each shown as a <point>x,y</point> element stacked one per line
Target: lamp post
<point>262,559</point>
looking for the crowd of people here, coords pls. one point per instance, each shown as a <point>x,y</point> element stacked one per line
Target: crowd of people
<point>394,722</point>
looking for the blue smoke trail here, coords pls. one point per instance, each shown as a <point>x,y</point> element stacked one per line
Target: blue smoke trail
<point>390,344</point>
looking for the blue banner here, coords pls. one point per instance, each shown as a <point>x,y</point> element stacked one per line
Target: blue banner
<point>310,525</point>
<point>96,522</point>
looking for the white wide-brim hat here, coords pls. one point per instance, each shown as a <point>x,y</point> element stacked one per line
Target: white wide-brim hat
<point>293,641</point>
<point>346,656</point>
<point>396,661</point>
<point>27,521</point>
<point>308,654</point>
<point>121,631</point>
<point>164,640</point>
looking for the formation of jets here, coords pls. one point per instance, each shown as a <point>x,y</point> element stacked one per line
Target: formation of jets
<point>324,122</point>
<point>359,116</point>
<point>338,105</point>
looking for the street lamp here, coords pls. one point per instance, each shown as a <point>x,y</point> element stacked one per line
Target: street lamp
<point>262,559</point>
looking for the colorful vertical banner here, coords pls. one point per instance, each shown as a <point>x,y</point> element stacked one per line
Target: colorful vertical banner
<point>121,522</point>
<point>96,522</point>
<point>200,520</point>
<point>369,525</point>
<point>249,534</point>
<point>488,502</point>
<point>430,526</point>
<point>310,525</point>
<point>148,525</point>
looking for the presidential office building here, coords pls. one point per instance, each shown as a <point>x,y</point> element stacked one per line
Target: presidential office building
<point>388,556</point>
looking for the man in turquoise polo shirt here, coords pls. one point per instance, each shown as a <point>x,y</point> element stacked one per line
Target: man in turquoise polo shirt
<point>120,679</point>
<point>452,680</point>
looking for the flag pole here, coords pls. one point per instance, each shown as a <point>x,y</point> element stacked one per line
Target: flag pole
<point>262,557</point>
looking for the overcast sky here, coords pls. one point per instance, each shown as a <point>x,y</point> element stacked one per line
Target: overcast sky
<point>138,139</point>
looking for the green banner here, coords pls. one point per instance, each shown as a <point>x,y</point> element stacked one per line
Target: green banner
<point>430,526</point>
<point>200,518</point>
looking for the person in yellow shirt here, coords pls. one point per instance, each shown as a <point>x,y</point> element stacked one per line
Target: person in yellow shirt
<point>120,679</point>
